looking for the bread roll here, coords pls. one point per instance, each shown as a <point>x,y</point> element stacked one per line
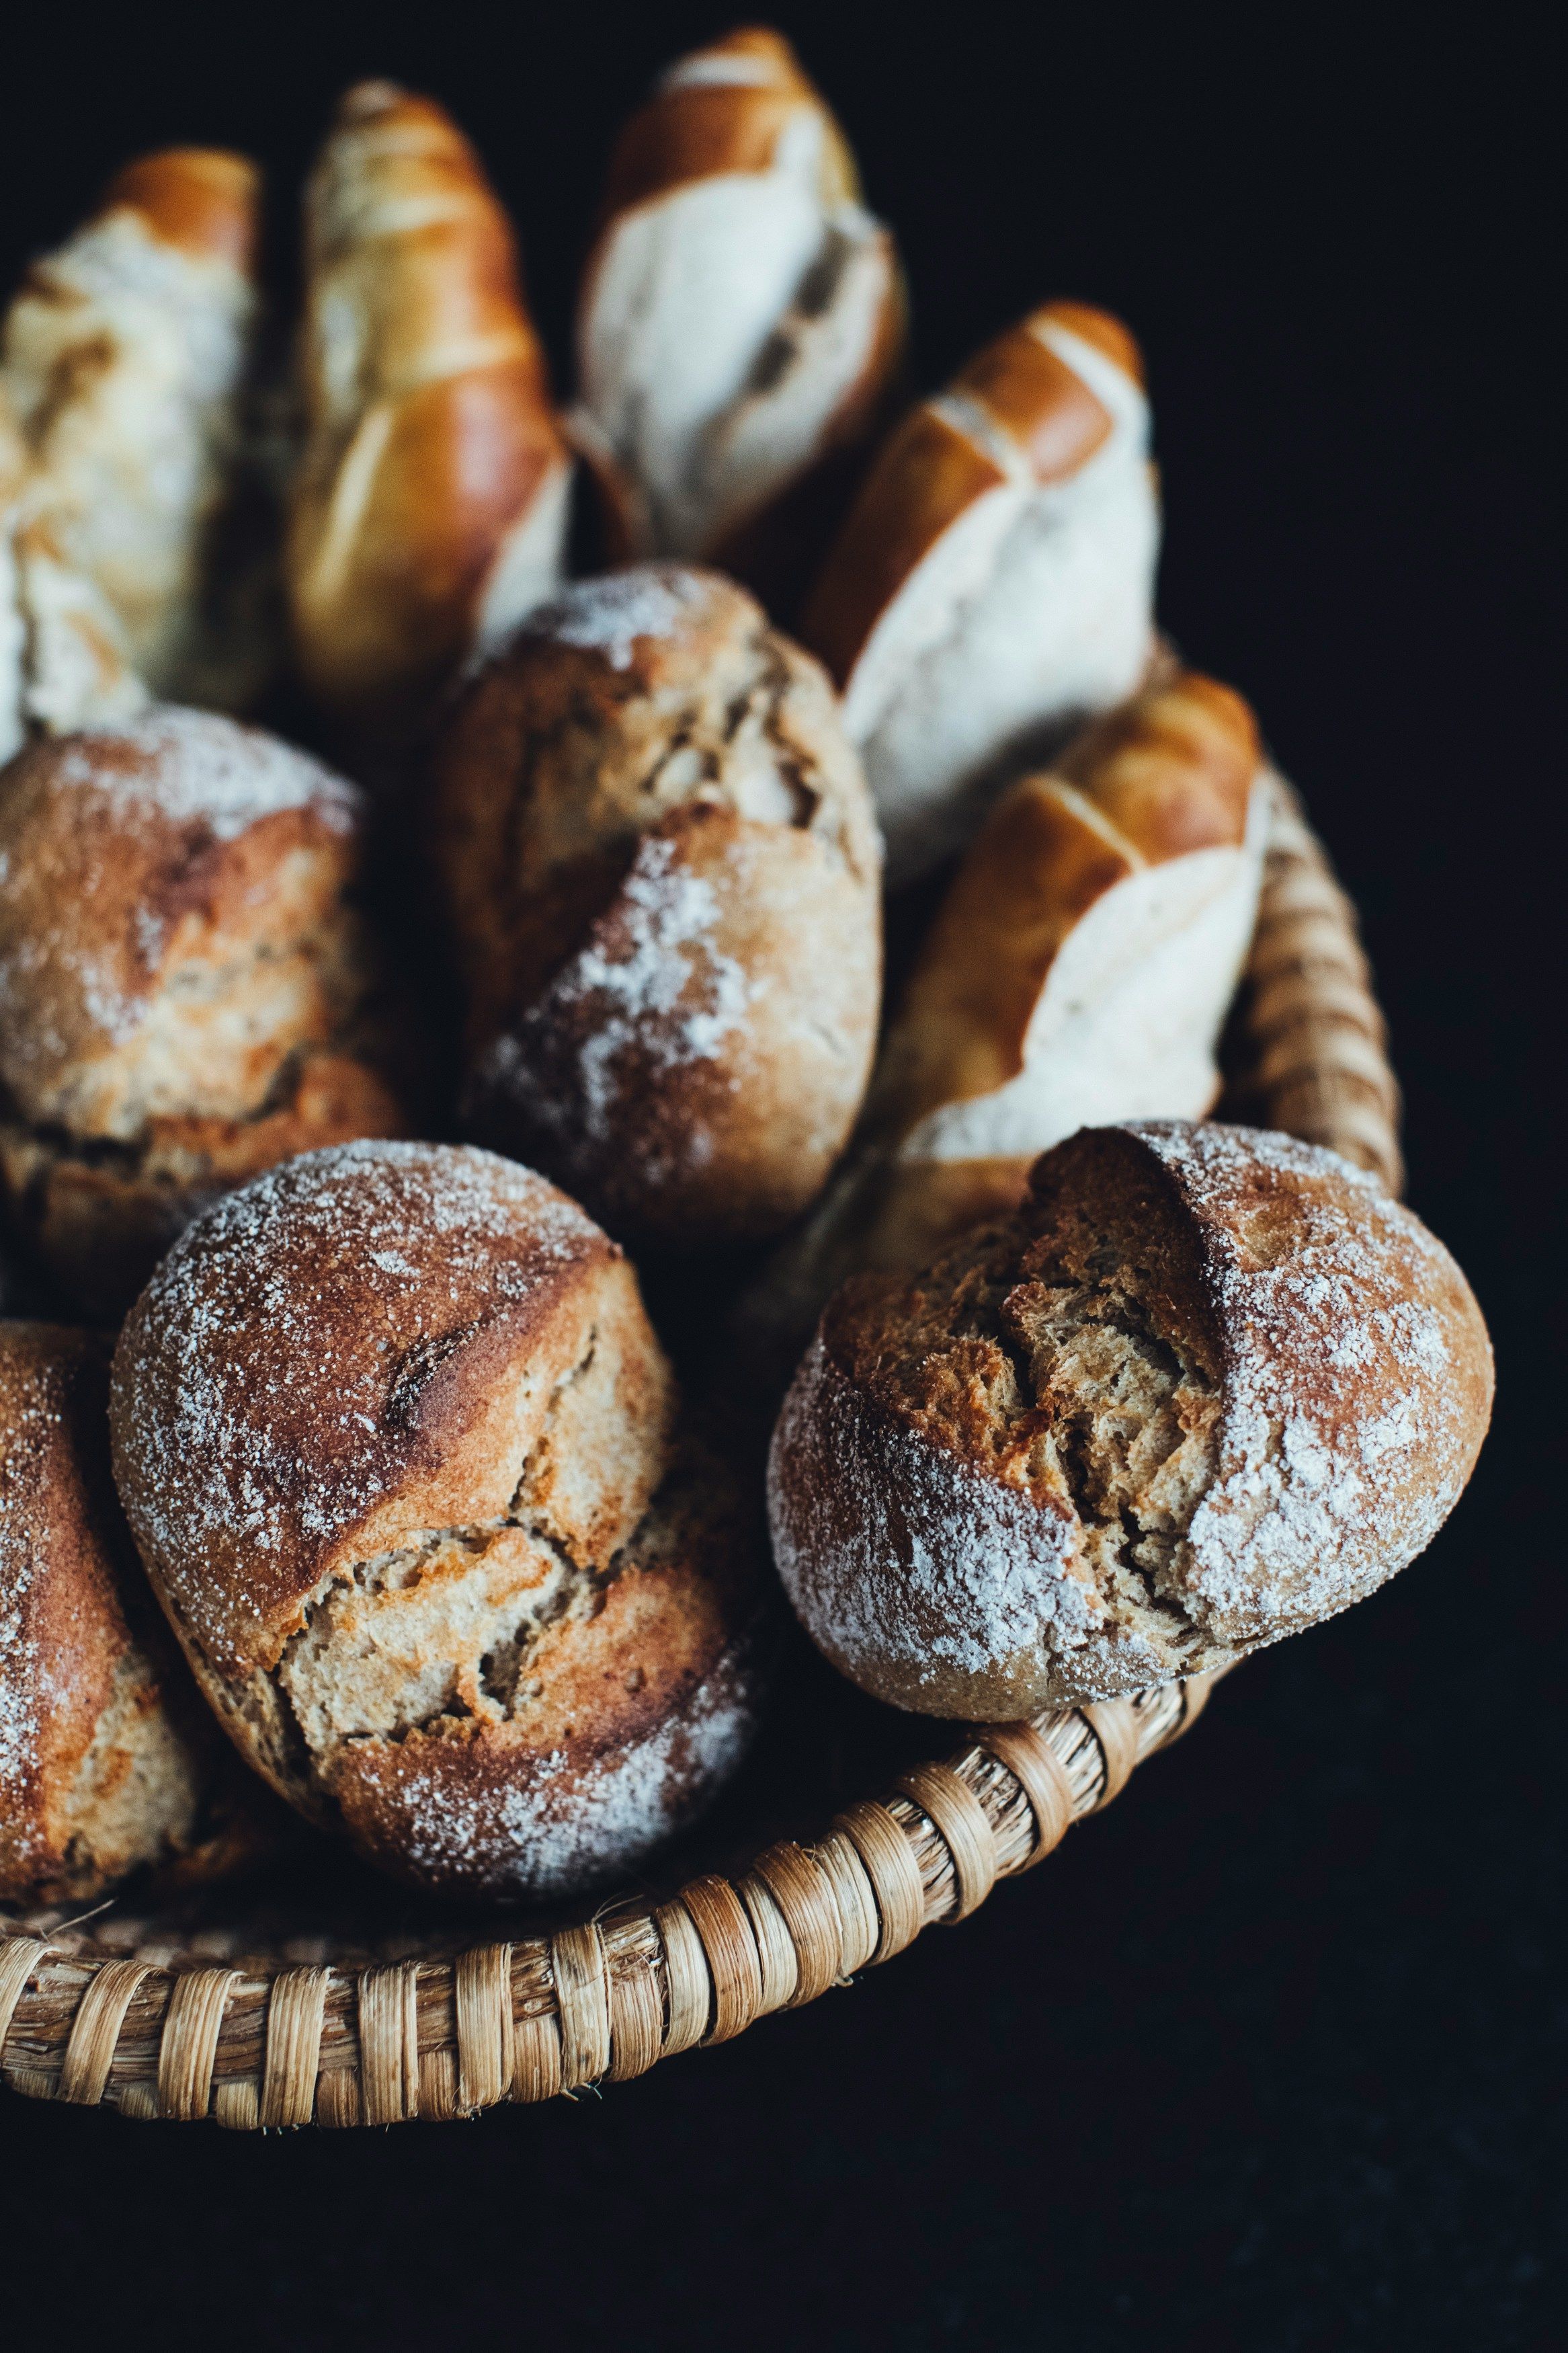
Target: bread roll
<point>741,318</point>
<point>1078,970</point>
<point>1207,1387</point>
<point>662,871</point>
<point>430,505</point>
<point>123,367</point>
<point>398,1445</point>
<point>992,585</point>
<point>187,993</point>
<point>97,1775</point>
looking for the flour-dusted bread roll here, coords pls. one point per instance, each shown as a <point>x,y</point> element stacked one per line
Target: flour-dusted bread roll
<point>741,317</point>
<point>993,586</point>
<point>1209,1386</point>
<point>98,1774</point>
<point>1078,970</point>
<point>662,871</point>
<point>429,509</point>
<point>187,992</point>
<point>124,367</point>
<point>399,1448</point>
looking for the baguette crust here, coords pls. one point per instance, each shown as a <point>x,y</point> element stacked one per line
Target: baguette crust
<point>1079,968</point>
<point>96,1775</point>
<point>396,1439</point>
<point>186,992</point>
<point>1208,1387</point>
<point>998,561</point>
<point>662,874</point>
<point>741,323</point>
<point>429,509</point>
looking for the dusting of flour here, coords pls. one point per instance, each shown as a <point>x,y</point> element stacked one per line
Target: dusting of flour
<point>609,613</point>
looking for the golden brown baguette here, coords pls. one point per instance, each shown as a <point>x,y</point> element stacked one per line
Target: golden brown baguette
<point>992,584</point>
<point>124,376</point>
<point>741,318</point>
<point>1076,972</point>
<point>430,504</point>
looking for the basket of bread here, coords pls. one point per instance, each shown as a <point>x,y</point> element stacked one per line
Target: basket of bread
<point>699,1183</point>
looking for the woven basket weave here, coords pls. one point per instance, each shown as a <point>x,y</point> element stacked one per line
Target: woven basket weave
<point>277,2020</point>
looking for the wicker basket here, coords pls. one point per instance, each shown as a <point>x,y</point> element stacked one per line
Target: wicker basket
<point>339,2008</point>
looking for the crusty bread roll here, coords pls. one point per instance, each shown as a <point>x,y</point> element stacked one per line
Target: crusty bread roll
<point>430,505</point>
<point>741,318</point>
<point>123,367</point>
<point>397,1443</point>
<point>1209,1386</point>
<point>96,1776</point>
<point>1078,970</point>
<point>187,993</point>
<point>662,869</point>
<point>992,585</point>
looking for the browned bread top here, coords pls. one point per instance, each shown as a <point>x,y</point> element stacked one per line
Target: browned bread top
<point>202,200</point>
<point>141,871</point>
<point>400,197</point>
<point>362,1347</point>
<point>1210,1385</point>
<point>724,108</point>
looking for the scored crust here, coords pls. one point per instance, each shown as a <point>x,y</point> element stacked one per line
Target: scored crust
<point>1208,1387</point>
<point>1078,969</point>
<point>740,321</point>
<point>662,871</point>
<point>429,509</point>
<point>395,1437</point>
<point>992,585</point>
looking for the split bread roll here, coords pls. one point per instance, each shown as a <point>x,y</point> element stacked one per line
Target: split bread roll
<point>662,871</point>
<point>430,505</point>
<point>102,1766</point>
<point>400,1450</point>
<point>993,586</point>
<point>1078,970</point>
<point>1207,1387</point>
<point>742,316</point>
<point>187,992</point>
<point>123,374</point>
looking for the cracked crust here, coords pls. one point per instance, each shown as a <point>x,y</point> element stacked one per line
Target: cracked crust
<point>187,993</point>
<point>662,871</point>
<point>395,1437</point>
<point>1209,1386</point>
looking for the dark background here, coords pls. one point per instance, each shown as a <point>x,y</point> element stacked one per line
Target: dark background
<point>1272,2057</point>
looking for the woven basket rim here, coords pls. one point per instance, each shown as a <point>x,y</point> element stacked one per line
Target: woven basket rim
<point>160,2022</point>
